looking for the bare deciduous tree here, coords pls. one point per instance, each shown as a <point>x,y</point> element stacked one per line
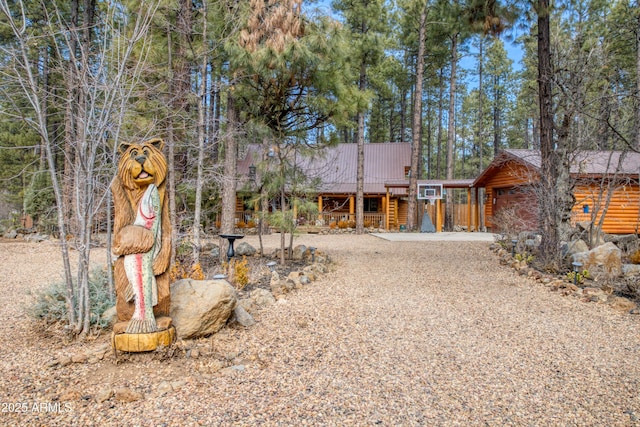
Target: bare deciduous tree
<point>103,79</point>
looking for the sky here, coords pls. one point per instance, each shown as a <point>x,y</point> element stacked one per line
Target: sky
<point>468,62</point>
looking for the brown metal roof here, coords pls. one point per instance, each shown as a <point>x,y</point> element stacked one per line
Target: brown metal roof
<point>446,183</point>
<point>583,163</point>
<point>337,166</point>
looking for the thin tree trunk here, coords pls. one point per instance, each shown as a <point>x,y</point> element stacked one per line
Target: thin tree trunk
<point>171,163</point>
<point>227,223</point>
<point>362,85</point>
<point>479,133</point>
<point>637,129</point>
<point>202,128</point>
<point>496,116</point>
<point>451,130</point>
<point>439,140</point>
<point>215,126</point>
<point>548,173</point>
<point>416,124</point>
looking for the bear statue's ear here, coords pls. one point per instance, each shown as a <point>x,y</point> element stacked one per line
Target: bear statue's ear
<point>123,147</point>
<point>158,143</point>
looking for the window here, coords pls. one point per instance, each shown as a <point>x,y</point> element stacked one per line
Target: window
<point>371,205</point>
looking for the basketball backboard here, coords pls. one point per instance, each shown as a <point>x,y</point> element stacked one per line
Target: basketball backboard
<point>429,191</point>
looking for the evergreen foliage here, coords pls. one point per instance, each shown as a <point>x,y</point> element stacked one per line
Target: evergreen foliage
<point>50,303</point>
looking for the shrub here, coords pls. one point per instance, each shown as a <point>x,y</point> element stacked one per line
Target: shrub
<point>507,221</point>
<point>51,305</point>
<point>241,273</point>
<point>333,225</point>
<point>352,224</point>
<point>251,224</point>
<point>241,224</point>
<point>343,224</point>
<point>635,257</point>
<point>528,258</point>
<point>579,277</point>
<point>367,223</point>
<point>180,271</point>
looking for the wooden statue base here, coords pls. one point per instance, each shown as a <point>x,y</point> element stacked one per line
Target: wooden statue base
<point>136,343</point>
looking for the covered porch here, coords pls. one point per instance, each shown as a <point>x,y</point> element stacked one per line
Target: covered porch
<point>465,200</point>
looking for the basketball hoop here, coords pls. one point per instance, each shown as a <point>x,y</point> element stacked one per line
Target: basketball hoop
<point>430,192</point>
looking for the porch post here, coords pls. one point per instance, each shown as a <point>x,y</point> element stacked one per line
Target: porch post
<point>469,209</point>
<point>438,215</point>
<point>386,208</point>
<point>479,206</point>
<point>352,207</point>
<point>320,207</point>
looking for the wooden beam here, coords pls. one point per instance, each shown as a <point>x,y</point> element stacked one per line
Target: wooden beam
<point>469,207</point>
<point>386,220</point>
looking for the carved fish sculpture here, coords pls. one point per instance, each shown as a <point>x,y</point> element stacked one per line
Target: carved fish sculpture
<point>139,267</point>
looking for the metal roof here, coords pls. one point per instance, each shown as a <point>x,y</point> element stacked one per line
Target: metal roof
<point>583,163</point>
<point>337,166</point>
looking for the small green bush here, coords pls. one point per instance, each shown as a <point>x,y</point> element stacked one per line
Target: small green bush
<point>579,277</point>
<point>51,305</point>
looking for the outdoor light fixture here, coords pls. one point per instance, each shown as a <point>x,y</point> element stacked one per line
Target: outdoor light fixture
<point>576,269</point>
<point>272,265</point>
<point>252,172</point>
<point>313,253</point>
<point>514,242</point>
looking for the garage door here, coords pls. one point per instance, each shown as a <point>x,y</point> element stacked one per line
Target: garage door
<point>524,202</point>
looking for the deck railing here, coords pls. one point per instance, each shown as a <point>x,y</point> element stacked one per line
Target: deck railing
<point>371,219</point>
<point>322,219</point>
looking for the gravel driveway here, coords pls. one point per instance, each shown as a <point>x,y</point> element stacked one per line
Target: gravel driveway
<point>399,333</point>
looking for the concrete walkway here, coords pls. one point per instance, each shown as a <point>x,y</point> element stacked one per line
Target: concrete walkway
<point>436,237</point>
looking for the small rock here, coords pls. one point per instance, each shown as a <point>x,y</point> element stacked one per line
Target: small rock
<point>104,395</point>
<point>304,280</point>
<point>594,294</point>
<point>11,234</point>
<point>262,297</point>
<point>195,353</point>
<point>294,275</point>
<point>242,317</point>
<point>233,369</point>
<point>64,361</point>
<point>177,385</point>
<point>79,358</point>
<point>127,395</point>
<point>163,388</point>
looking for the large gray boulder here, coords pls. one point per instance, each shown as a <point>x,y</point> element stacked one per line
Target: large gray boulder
<point>245,249</point>
<point>298,252</point>
<point>201,307</point>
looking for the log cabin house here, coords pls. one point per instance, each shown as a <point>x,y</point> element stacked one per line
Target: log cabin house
<point>386,184</point>
<point>604,182</point>
<point>335,171</point>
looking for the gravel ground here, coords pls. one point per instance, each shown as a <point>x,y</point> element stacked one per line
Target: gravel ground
<point>398,333</point>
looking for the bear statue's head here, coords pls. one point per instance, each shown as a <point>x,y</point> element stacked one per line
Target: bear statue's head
<point>142,164</point>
